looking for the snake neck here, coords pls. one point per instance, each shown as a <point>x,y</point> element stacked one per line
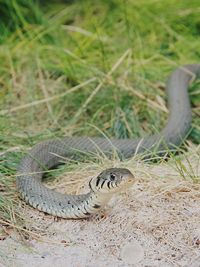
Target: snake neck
<point>93,203</point>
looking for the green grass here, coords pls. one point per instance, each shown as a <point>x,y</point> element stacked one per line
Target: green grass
<point>118,53</point>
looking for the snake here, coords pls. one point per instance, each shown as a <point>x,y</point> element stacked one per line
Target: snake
<point>47,155</point>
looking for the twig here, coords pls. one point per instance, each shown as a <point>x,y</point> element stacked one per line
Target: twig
<point>34,235</point>
<point>46,95</point>
<point>41,101</point>
<point>89,99</point>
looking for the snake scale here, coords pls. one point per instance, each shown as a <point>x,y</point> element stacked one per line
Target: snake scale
<point>44,156</point>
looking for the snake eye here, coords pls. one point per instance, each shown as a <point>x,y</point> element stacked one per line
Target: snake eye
<point>112,177</point>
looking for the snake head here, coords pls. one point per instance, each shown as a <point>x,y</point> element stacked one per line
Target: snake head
<point>111,180</point>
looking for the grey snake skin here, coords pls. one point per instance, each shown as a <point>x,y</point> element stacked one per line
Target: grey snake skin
<point>44,156</point>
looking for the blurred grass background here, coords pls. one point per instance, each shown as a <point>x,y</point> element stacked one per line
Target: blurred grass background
<point>82,67</point>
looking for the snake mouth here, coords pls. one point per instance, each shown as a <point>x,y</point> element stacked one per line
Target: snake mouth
<point>129,177</point>
<point>131,180</point>
<point>127,180</point>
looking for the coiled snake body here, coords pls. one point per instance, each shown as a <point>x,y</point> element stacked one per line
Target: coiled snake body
<point>43,155</point>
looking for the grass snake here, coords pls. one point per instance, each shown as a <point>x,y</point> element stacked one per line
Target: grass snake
<point>44,156</point>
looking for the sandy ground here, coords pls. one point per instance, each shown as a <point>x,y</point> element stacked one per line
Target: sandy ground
<point>155,223</point>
